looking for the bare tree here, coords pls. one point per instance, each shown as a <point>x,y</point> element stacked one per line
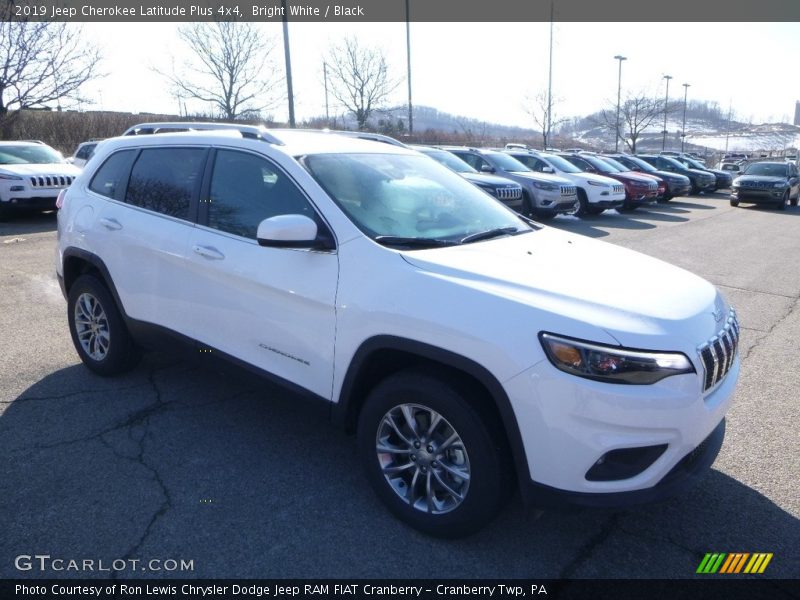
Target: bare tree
<point>636,113</point>
<point>42,63</point>
<point>359,78</point>
<point>538,108</point>
<point>229,67</point>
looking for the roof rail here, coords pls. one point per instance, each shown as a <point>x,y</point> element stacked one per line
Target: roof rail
<point>362,135</point>
<point>32,142</point>
<point>248,131</point>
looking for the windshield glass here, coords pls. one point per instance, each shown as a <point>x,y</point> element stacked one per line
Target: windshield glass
<point>451,161</point>
<point>408,198</point>
<point>675,163</point>
<point>507,163</point>
<point>559,163</point>
<point>693,164</point>
<point>615,163</point>
<point>35,154</point>
<point>766,169</point>
<point>638,163</point>
<point>601,165</point>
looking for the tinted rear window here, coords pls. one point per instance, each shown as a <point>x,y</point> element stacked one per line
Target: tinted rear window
<point>165,179</point>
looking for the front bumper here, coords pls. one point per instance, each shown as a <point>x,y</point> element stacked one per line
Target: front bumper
<point>758,196</point>
<point>28,203</point>
<point>682,189</point>
<point>570,425</point>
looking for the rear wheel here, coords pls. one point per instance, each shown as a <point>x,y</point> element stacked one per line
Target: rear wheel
<point>434,458</point>
<point>97,329</point>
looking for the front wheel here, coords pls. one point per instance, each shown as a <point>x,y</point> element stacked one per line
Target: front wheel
<point>784,201</point>
<point>734,203</point>
<point>97,329</point>
<point>434,458</point>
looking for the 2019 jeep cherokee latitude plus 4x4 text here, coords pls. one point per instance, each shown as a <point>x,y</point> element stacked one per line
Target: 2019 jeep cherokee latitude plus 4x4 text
<point>467,347</point>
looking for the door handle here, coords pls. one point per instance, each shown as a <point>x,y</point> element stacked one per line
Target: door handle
<point>111,224</point>
<point>208,252</point>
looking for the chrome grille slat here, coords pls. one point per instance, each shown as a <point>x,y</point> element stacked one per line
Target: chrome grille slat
<point>50,181</point>
<point>719,353</point>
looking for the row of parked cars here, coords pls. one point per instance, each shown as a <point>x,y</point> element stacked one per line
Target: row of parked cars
<point>534,183</point>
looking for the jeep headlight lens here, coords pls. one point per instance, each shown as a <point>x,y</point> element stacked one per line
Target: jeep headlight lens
<point>780,184</point>
<point>598,184</point>
<point>612,364</point>
<point>550,187</point>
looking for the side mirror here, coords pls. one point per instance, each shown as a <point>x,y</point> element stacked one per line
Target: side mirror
<point>548,170</point>
<point>486,169</point>
<point>288,231</point>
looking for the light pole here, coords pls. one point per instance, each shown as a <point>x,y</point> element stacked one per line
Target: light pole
<point>550,80</point>
<point>408,66</point>
<point>620,58</point>
<point>325,78</point>
<point>288,59</point>
<point>683,127</point>
<point>666,103</point>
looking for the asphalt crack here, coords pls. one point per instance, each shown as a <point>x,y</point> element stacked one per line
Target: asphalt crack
<point>585,552</point>
<point>767,334</point>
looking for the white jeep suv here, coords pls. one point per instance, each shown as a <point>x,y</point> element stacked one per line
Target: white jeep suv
<point>470,350</point>
<point>31,176</point>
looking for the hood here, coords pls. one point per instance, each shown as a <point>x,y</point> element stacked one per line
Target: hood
<point>634,177</point>
<point>46,169</point>
<point>674,177</point>
<point>648,304</point>
<point>489,180</point>
<point>719,173</point>
<point>704,174</point>
<point>548,177</point>
<point>602,179</point>
<point>759,179</point>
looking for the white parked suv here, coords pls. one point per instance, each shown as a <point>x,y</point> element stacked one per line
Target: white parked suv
<point>31,176</point>
<point>596,193</point>
<point>471,350</point>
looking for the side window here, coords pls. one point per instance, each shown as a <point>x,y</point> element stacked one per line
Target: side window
<point>111,176</point>
<point>472,160</point>
<point>536,164</point>
<point>164,179</point>
<point>246,189</point>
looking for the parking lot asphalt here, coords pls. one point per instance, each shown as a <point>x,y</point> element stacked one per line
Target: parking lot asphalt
<point>188,459</point>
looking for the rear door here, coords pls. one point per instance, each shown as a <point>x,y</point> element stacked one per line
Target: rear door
<point>270,307</point>
<point>141,233</point>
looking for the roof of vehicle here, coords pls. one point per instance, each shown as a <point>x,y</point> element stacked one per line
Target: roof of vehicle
<point>294,142</point>
<point>22,143</point>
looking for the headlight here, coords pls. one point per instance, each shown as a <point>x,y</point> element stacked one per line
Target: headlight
<point>612,364</point>
<point>595,183</point>
<point>779,185</point>
<point>550,187</point>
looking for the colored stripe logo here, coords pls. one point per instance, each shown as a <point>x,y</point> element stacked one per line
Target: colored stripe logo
<point>734,562</point>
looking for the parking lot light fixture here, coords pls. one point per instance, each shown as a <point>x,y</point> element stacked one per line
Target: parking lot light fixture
<point>620,58</point>
<point>683,127</point>
<point>666,105</point>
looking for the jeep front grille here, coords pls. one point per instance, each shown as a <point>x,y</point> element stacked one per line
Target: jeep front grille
<point>618,189</point>
<point>508,193</point>
<point>568,190</point>
<point>51,181</point>
<point>719,352</point>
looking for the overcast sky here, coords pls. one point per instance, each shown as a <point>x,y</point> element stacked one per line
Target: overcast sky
<point>485,70</point>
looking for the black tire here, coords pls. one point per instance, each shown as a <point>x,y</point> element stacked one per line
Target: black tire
<point>694,191</point>
<point>110,342</point>
<point>583,204</point>
<point>734,203</point>
<point>784,201</point>
<point>484,453</point>
<point>594,210</point>
<point>666,198</point>
<point>527,206</point>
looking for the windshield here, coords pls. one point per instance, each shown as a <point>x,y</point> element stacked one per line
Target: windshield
<point>560,164</point>
<point>601,165</point>
<point>615,163</point>
<point>690,162</point>
<point>675,163</point>
<point>409,200</point>
<point>34,154</point>
<point>507,163</point>
<point>766,169</point>
<point>451,161</point>
<point>633,161</point>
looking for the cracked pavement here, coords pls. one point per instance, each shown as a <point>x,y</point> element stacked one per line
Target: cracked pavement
<point>189,458</point>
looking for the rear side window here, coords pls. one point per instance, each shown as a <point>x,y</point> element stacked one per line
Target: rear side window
<point>165,179</point>
<point>111,176</point>
<point>246,189</point>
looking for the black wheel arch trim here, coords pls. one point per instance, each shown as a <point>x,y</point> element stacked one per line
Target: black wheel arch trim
<point>97,263</point>
<point>343,411</point>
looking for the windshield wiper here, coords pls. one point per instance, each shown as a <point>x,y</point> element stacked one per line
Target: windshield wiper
<point>488,234</point>
<point>413,242</point>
